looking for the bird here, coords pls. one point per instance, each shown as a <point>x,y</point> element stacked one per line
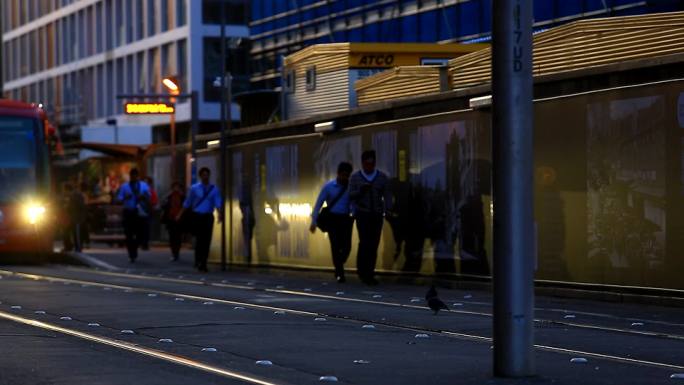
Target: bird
<point>433,301</point>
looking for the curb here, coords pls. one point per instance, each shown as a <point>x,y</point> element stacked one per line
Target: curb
<point>562,290</point>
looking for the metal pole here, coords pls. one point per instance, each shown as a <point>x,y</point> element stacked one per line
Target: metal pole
<point>223,135</point>
<point>2,60</point>
<point>173,143</point>
<point>229,186</point>
<point>194,100</point>
<point>513,157</point>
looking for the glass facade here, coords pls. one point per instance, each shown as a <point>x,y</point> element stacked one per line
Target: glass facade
<point>609,181</point>
<point>279,28</point>
<point>237,11</point>
<point>236,64</point>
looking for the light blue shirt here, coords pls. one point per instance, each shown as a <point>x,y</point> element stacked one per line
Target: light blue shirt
<point>207,206</point>
<point>371,176</point>
<point>129,199</point>
<point>329,191</point>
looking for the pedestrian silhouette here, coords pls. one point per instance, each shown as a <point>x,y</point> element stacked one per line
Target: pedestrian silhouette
<point>135,196</point>
<point>335,218</point>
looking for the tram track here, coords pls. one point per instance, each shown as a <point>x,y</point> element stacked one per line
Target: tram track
<point>538,321</point>
<point>135,348</point>
<point>342,317</point>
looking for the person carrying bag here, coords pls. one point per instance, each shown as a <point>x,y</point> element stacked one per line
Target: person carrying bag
<point>202,201</point>
<point>335,219</point>
<point>134,196</point>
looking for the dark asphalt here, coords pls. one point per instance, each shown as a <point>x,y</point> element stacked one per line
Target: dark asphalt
<point>244,324</point>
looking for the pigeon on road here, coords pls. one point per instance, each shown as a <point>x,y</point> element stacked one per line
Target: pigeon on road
<point>433,301</point>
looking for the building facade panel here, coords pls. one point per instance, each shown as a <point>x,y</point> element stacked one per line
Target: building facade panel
<point>279,28</point>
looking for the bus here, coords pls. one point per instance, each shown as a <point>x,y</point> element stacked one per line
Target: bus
<point>26,190</point>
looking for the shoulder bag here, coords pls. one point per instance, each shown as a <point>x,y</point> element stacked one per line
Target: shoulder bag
<point>325,216</point>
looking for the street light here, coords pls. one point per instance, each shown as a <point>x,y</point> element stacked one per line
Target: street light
<point>172,85</point>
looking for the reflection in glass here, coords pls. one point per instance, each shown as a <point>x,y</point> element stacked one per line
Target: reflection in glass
<point>626,186</point>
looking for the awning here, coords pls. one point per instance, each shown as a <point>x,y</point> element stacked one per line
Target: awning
<point>117,150</point>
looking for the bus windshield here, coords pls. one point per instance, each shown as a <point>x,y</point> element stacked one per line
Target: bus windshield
<point>17,157</point>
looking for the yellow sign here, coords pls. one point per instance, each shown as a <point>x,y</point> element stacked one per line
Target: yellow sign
<point>149,108</point>
<point>377,60</point>
<point>393,59</point>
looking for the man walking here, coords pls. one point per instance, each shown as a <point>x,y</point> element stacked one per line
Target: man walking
<point>135,196</point>
<point>335,218</point>
<point>202,199</point>
<point>370,199</point>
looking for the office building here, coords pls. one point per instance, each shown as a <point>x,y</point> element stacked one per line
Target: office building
<point>75,57</point>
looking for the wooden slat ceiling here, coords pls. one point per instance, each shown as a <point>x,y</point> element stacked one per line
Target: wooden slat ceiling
<point>583,44</point>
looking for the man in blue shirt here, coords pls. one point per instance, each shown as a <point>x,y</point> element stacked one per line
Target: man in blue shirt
<point>336,218</point>
<point>135,196</point>
<point>203,199</point>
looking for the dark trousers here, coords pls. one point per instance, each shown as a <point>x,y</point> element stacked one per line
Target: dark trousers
<point>369,227</point>
<point>175,237</point>
<point>76,234</point>
<point>132,225</point>
<point>203,226</point>
<point>340,235</point>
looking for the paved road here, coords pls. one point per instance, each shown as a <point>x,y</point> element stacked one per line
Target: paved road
<point>307,326</point>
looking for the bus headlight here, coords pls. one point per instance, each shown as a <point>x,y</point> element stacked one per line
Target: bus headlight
<point>35,213</point>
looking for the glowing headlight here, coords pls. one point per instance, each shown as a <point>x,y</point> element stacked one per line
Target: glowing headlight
<point>35,213</point>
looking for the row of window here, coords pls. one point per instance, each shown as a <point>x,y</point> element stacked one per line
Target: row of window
<point>90,93</point>
<point>101,27</point>
<point>16,13</point>
<point>270,15</point>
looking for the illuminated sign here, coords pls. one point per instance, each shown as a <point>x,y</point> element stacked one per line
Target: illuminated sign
<point>148,108</point>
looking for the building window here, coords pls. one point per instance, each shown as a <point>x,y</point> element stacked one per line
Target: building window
<point>99,34</point>
<point>311,78</point>
<point>180,13</point>
<point>181,66</point>
<point>129,22</point>
<point>290,84</point>
<point>139,15</point>
<point>236,11</point>
<point>151,18</point>
<point>164,24</point>
<point>109,24</point>
<point>427,61</point>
